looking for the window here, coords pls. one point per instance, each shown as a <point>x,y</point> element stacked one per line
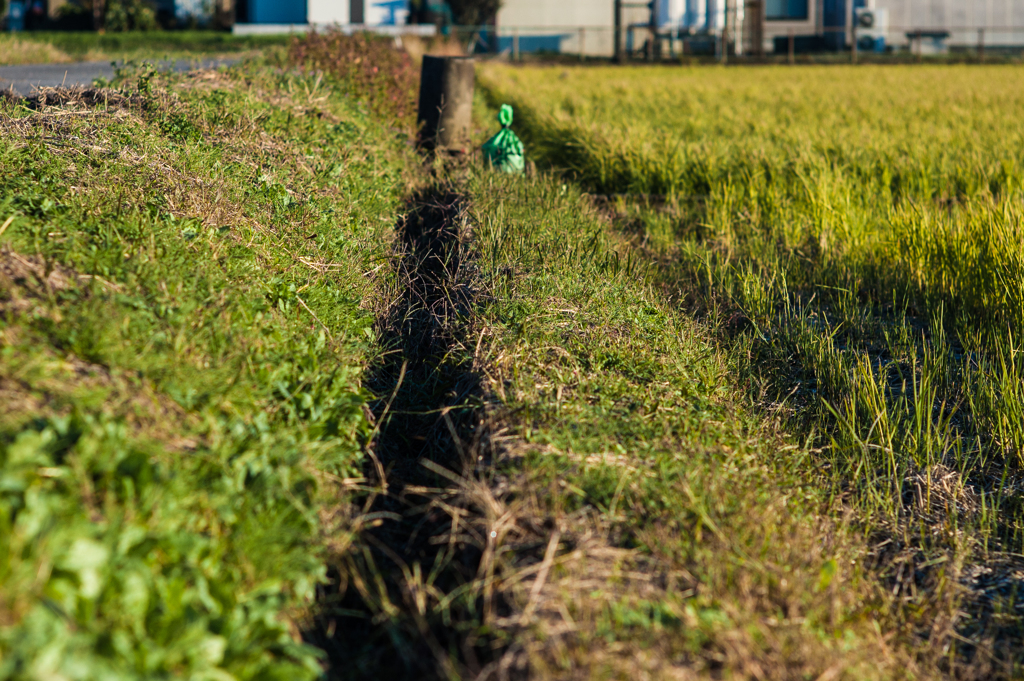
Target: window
<point>786,10</point>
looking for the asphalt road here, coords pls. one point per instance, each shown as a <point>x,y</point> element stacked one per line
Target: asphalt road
<point>26,78</point>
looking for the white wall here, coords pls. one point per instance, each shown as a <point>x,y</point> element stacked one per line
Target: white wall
<point>327,11</point>
<point>566,18</point>
<point>536,13</point>
<point>962,18</point>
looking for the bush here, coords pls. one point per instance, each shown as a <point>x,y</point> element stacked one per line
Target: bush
<point>130,15</point>
<point>118,15</point>
<point>372,68</point>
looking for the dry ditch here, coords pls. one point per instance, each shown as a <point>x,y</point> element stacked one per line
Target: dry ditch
<point>410,602</point>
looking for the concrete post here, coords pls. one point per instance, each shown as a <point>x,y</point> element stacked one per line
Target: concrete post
<point>446,101</point>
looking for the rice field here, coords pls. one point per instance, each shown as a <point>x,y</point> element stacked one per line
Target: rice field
<point>854,236</point>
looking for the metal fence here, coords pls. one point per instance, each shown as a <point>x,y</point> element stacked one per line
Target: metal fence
<point>737,38</point>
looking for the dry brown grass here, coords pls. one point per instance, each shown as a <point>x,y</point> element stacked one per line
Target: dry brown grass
<point>17,51</point>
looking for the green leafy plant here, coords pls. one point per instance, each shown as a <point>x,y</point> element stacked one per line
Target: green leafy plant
<point>129,15</point>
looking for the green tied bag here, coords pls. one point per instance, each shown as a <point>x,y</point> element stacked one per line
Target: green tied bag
<point>505,151</point>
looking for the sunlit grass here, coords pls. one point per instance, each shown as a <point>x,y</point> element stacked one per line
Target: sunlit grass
<point>856,236</point>
<point>182,345</point>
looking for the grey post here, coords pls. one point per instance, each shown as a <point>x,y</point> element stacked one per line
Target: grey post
<point>446,101</point>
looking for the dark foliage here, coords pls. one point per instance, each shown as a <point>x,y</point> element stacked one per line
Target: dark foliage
<point>111,15</point>
<point>474,12</point>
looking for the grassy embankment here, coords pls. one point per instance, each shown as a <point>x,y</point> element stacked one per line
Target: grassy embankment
<point>684,537</point>
<point>46,47</point>
<point>183,333</point>
<point>857,234</point>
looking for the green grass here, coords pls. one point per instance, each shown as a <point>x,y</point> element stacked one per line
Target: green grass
<point>47,46</point>
<point>80,42</point>
<point>854,235</point>
<point>183,331</point>
<point>691,535</point>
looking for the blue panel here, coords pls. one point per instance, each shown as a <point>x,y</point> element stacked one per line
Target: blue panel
<point>786,9</point>
<point>867,43</point>
<point>834,16</point>
<point>533,43</point>
<point>277,11</point>
<point>834,13</point>
<point>16,16</point>
<point>392,7</point>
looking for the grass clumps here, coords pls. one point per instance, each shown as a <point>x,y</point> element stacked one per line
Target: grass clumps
<point>183,329</point>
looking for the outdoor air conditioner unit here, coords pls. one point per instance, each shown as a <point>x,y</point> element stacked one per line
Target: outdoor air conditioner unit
<point>872,27</point>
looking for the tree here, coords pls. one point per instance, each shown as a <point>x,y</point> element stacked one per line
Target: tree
<point>129,15</point>
<point>474,12</point>
<point>109,15</point>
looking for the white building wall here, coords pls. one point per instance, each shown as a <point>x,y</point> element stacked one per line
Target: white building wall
<point>536,13</point>
<point>1002,20</point>
<point>566,18</point>
<point>327,11</point>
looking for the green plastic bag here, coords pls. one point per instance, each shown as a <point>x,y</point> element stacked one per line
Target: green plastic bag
<point>504,151</point>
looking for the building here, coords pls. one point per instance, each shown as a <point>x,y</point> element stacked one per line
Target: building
<point>571,26</point>
<point>1000,22</point>
<point>258,16</point>
<point>894,24</point>
<point>752,26</point>
<point>587,27</point>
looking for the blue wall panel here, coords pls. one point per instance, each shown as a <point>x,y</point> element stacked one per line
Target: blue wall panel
<point>533,43</point>
<point>834,16</point>
<point>277,11</point>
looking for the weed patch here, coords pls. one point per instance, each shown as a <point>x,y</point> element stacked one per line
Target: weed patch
<point>382,74</point>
